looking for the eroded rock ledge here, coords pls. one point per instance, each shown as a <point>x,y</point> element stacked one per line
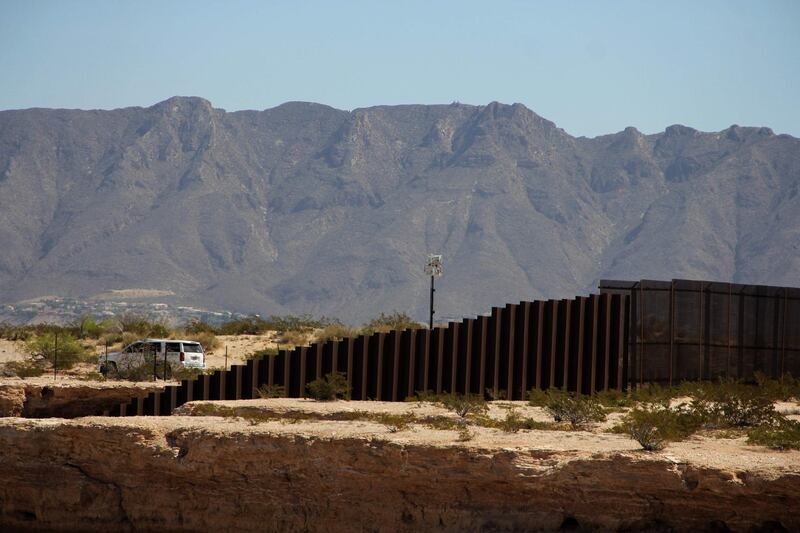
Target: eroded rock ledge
<point>42,398</point>
<point>206,473</point>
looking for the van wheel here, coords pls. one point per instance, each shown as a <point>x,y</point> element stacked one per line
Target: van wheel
<point>109,369</point>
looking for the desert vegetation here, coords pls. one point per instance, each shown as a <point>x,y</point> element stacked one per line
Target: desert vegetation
<point>80,342</point>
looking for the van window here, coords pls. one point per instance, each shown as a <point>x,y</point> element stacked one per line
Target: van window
<point>192,348</point>
<point>173,347</point>
<point>152,347</point>
<point>132,348</point>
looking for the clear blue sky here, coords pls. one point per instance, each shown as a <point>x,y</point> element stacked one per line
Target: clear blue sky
<point>592,67</point>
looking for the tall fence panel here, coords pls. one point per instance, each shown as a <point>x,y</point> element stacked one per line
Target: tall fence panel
<point>700,330</point>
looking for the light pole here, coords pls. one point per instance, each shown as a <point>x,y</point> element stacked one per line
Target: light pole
<point>434,269</point>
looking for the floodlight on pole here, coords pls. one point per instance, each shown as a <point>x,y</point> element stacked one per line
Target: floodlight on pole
<point>433,267</point>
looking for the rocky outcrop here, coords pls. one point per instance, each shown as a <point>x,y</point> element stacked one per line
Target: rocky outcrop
<point>190,474</point>
<point>37,400</point>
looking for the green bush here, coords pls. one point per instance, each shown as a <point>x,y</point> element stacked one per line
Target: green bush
<point>335,331</point>
<point>394,421</point>
<point>258,354</point>
<point>113,337</point>
<point>783,435</point>
<point>252,325</point>
<point>538,397</point>
<point>512,423</point>
<point>89,328</point>
<point>129,338</point>
<point>613,399</point>
<point>180,372</point>
<point>304,323</point>
<point>653,393</point>
<point>652,424</point>
<point>142,326</point>
<point>390,322</point>
<point>196,325</point>
<point>465,434</point>
<point>206,339</point>
<point>293,337</point>
<point>573,408</point>
<point>24,369</point>
<point>783,389</point>
<point>271,391</point>
<point>464,405</point>
<point>733,404</point>
<point>331,387</point>
<point>66,354</point>
<point>428,396</point>
<point>496,396</point>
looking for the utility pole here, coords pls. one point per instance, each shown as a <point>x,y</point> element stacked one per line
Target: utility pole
<point>55,357</point>
<point>433,267</point>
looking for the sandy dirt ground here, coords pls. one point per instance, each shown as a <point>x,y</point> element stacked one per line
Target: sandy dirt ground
<point>239,347</point>
<point>728,454</point>
<point>11,351</point>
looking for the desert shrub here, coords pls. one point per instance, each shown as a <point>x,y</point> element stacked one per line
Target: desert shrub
<point>90,328</point>
<point>783,389</point>
<point>783,435</point>
<point>653,393</point>
<point>573,408</point>
<point>335,331</point>
<point>196,325</point>
<point>613,399</point>
<point>733,404</point>
<point>441,422</point>
<point>387,322</point>
<point>271,391</point>
<point>330,387</point>
<point>14,333</point>
<point>496,396</point>
<point>464,405</point>
<point>428,396</point>
<point>129,337</point>
<point>207,339</point>
<point>394,421</point>
<point>24,369</point>
<point>69,350</point>
<point>258,354</point>
<point>465,434</point>
<point>744,412</point>
<point>112,337</point>
<point>293,337</point>
<point>512,423</point>
<point>28,331</point>
<point>538,397</point>
<point>305,322</point>
<point>180,372</point>
<point>251,325</point>
<point>142,326</point>
<point>652,424</point>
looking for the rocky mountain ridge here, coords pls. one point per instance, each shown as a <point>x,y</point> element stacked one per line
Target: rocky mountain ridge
<point>306,208</point>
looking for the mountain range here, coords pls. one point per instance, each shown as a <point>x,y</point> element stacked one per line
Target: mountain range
<point>304,208</point>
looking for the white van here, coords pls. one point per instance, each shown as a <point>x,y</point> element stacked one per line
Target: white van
<point>188,354</point>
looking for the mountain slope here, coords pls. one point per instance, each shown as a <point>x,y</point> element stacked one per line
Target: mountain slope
<point>305,208</point>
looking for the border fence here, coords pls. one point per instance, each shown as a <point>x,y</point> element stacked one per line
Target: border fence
<point>701,330</point>
<point>577,345</point>
<point>631,333</point>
